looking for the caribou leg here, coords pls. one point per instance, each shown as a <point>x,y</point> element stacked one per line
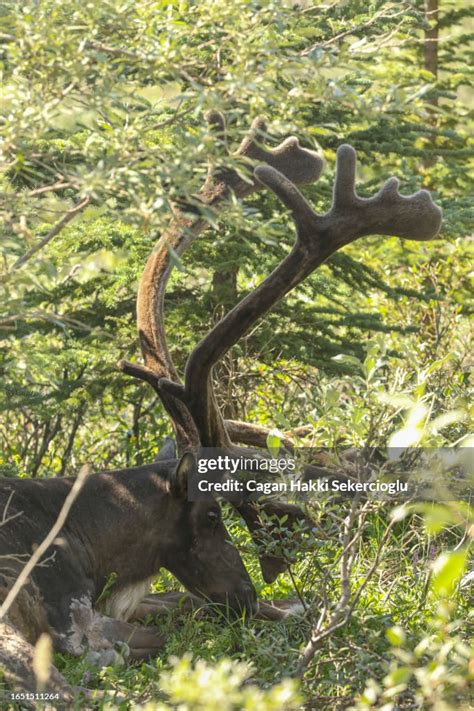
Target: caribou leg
<point>107,639</point>
<point>164,603</point>
<point>142,642</point>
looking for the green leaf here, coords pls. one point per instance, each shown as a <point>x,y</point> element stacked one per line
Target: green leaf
<point>437,518</point>
<point>447,571</point>
<point>396,636</point>
<point>274,438</point>
<point>346,359</point>
<point>175,259</point>
<point>398,677</point>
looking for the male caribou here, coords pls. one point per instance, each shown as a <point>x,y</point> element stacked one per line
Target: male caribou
<point>128,524</point>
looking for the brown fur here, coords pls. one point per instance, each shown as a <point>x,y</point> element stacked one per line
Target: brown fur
<point>123,527</point>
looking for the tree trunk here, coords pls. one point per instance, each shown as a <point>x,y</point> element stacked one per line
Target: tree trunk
<point>431,42</point>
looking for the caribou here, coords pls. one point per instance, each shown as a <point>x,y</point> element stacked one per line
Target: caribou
<point>126,525</point>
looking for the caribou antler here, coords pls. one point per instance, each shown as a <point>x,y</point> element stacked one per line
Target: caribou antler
<point>317,237</point>
<point>298,164</point>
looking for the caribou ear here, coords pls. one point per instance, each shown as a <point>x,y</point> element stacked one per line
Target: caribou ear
<point>185,471</point>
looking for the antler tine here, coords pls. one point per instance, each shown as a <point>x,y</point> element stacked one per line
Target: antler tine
<point>344,194</point>
<point>216,122</point>
<point>251,145</point>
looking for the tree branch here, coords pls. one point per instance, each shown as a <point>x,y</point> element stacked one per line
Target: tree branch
<point>70,215</point>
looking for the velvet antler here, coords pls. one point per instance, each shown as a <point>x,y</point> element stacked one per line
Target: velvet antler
<point>192,406</point>
<point>318,236</point>
<point>298,164</point>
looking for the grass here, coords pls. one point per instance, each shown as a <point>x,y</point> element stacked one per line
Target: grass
<point>396,595</point>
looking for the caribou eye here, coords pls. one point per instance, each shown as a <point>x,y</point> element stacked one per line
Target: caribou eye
<point>213,517</point>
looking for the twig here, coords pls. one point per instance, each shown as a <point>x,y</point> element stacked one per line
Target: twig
<point>45,544</point>
<point>297,590</point>
<point>70,214</point>
<point>168,122</point>
<point>343,609</point>
<point>352,30</point>
<point>5,518</point>
<point>374,565</point>
<point>113,51</point>
<point>49,188</point>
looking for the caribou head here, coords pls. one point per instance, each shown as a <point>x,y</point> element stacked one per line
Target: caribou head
<point>197,549</point>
